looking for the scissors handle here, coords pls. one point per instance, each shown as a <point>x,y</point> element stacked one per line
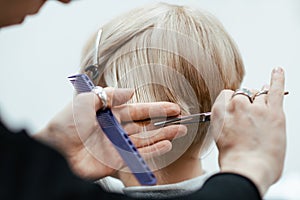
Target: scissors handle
<point>195,118</point>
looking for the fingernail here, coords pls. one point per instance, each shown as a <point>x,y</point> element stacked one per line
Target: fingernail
<point>278,70</point>
<point>181,131</point>
<point>127,90</point>
<point>176,106</point>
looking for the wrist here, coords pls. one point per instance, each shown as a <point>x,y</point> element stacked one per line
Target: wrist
<point>47,136</point>
<point>255,170</point>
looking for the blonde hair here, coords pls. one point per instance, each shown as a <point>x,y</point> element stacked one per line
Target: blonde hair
<point>169,53</point>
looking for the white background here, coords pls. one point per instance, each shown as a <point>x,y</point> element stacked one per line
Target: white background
<point>37,56</point>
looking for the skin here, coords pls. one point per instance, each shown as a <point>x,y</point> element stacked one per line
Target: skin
<point>14,11</point>
<point>251,138</point>
<point>80,139</point>
<point>76,134</point>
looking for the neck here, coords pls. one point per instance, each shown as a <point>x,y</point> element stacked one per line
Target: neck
<point>186,167</point>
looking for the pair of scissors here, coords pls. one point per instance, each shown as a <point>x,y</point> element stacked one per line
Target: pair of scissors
<point>189,119</point>
<point>196,118</point>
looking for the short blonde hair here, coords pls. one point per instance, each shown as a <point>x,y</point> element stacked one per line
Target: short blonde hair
<point>169,53</point>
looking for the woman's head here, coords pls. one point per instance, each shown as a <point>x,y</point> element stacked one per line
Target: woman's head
<point>169,53</point>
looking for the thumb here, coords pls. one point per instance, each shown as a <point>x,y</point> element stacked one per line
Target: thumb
<point>218,114</point>
<point>118,96</point>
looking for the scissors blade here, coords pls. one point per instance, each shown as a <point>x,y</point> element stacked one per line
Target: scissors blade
<point>195,118</point>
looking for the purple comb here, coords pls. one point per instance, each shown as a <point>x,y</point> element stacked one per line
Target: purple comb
<point>117,135</point>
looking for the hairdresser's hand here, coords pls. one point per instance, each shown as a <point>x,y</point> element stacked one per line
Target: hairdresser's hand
<point>77,135</point>
<point>251,137</point>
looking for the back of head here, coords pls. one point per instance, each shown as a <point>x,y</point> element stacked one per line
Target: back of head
<point>169,53</point>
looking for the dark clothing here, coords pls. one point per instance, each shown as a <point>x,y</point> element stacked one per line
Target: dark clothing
<point>31,170</point>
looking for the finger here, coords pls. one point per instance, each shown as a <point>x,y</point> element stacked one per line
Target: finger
<point>156,149</point>
<point>133,127</point>
<point>276,92</point>
<point>219,107</point>
<point>224,97</point>
<point>139,126</point>
<point>238,103</point>
<point>142,111</point>
<point>115,97</point>
<point>150,137</point>
<point>218,113</point>
<point>262,98</point>
<point>253,92</point>
<point>119,95</point>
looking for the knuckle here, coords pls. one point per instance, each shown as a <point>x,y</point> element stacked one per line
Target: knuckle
<point>259,110</point>
<point>239,102</point>
<point>132,110</point>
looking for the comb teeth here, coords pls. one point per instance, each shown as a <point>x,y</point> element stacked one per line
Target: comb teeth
<point>117,135</point>
<point>81,83</point>
<point>104,120</point>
